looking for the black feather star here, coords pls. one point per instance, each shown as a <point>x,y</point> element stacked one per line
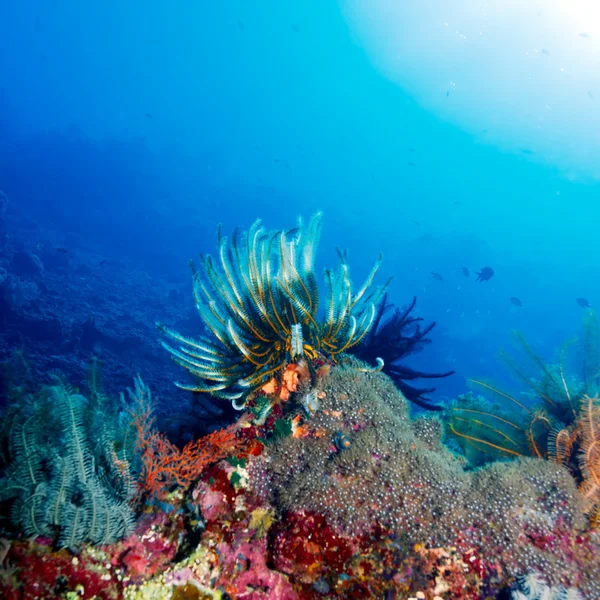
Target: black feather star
<point>393,337</point>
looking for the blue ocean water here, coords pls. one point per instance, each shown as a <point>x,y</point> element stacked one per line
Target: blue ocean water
<point>450,139</point>
<point>130,130</point>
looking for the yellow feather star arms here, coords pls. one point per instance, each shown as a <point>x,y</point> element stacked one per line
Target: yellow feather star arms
<point>259,303</point>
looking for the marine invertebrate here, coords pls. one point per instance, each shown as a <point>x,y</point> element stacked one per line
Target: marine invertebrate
<point>396,481</point>
<point>393,338</point>
<point>69,473</point>
<point>588,436</point>
<point>260,309</point>
<point>164,465</point>
<point>485,431</point>
<point>533,586</point>
<point>519,427</point>
<point>556,428</point>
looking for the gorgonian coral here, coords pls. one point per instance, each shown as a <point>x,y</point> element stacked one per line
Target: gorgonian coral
<point>260,306</point>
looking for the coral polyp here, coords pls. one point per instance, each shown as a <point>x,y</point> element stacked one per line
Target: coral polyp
<point>259,304</point>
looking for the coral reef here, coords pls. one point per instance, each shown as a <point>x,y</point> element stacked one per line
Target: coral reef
<point>558,427</point>
<point>83,304</point>
<point>35,569</point>
<point>352,499</point>
<point>323,488</point>
<point>396,476</point>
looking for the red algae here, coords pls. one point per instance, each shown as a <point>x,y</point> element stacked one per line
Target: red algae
<point>151,547</point>
<point>40,573</point>
<point>306,545</point>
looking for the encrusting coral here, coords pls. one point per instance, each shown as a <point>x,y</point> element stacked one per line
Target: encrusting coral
<point>394,476</point>
<point>261,311</point>
<point>357,500</point>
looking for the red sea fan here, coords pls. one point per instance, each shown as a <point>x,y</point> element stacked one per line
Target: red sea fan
<point>163,464</point>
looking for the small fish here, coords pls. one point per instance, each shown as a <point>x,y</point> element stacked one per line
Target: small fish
<point>411,164</point>
<point>447,94</point>
<point>62,250</point>
<point>102,262</point>
<point>295,28</point>
<point>582,302</point>
<point>437,276</point>
<point>416,223</point>
<point>341,441</point>
<point>465,271</point>
<point>590,95</point>
<point>149,116</point>
<point>514,300</point>
<point>584,35</point>
<point>544,51</point>
<point>241,25</point>
<point>527,151</point>
<point>457,203</point>
<point>485,274</point>
<point>412,150</point>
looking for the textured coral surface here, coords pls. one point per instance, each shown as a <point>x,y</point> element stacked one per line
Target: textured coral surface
<point>390,513</point>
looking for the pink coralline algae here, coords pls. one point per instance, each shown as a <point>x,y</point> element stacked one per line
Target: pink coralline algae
<point>151,547</point>
<point>212,503</point>
<point>248,577</point>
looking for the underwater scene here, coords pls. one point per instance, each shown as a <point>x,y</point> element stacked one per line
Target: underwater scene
<point>298,300</point>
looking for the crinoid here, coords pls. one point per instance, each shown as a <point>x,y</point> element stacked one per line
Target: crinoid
<point>259,304</point>
<point>395,335</point>
<point>554,426</point>
<point>542,428</point>
<point>589,456</point>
